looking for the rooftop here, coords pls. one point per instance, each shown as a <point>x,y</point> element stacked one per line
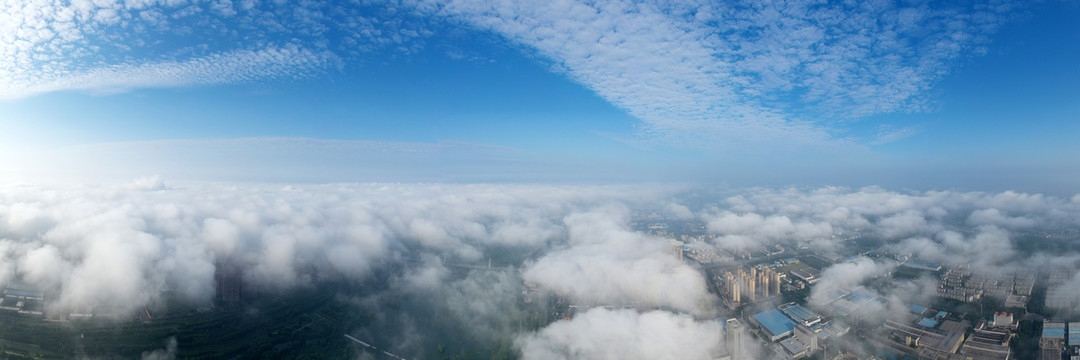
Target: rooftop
<point>793,346</point>
<point>1054,330</point>
<point>799,313</point>
<point>1074,333</point>
<point>947,337</point>
<point>850,258</point>
<point>775,322</point>
<point>863,295</point>
<point>806,273</point>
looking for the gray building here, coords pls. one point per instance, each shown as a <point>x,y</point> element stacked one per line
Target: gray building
<point>1052,342</point>
<point>733,338</point>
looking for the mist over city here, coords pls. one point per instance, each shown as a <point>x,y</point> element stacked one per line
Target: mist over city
<point>475,179</point>
<point>535,271</point>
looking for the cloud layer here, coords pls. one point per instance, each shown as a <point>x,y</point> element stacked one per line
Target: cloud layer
<point>993,233</point>
<point>933,225</point>
<point>116,248</point>
<point>608,264</point>
<point>86,246</point>
<point>624,334</point>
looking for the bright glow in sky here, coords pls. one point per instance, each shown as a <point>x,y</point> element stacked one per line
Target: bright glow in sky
<point>978,95</point>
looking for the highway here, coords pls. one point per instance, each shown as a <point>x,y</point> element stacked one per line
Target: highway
<point>372,347</point>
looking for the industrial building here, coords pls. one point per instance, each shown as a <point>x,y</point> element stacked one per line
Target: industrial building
<point>922,342</point>
<point>988,343</point>
<point>774,324</point>
<point>1052,343</point>
<point>804,342</point>
<point>800,314</point>
<point>808,337</point>
<point>1016,301</point>
<point>809,275</point>
<point>23,301</point>
<point>1004,320</point>
<point>1073,340</point>
<point>794,348</point>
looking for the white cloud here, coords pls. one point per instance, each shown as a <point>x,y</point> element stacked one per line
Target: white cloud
<point>903,224</point>
<point>120,247</point>
<point>703,74</point>
<point>989,247</point>
<point>638,58</point>
<point>750,230</point>
<point>943,227</point>
<point>223,68</point>
<point>149,183</point>
<point>888,134</point>
<point>168,353</point>
<point>846,276</point>
<point>993,216</point>
<point>113,46</point>
<point>608,264</point>
<point>745,73</point>
<point>624,334</point>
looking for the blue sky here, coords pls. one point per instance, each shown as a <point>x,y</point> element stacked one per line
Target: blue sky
<point>928,95</point>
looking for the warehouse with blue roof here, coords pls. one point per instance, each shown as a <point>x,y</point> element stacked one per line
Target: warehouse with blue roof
<point>1074,334</point>
<point>1052,341</point>
<point>1051,331</point>
<point>800,314</point>
<point>775,324</point>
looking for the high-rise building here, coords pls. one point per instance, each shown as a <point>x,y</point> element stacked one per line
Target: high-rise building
<point>775,282</point>
<point>751,286</point>
<point>228,286</point>
<point>764,275</point>
<point>742,284</point>
<point>677,248</point>
<point>732,283</point>
<point>733,338</point>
